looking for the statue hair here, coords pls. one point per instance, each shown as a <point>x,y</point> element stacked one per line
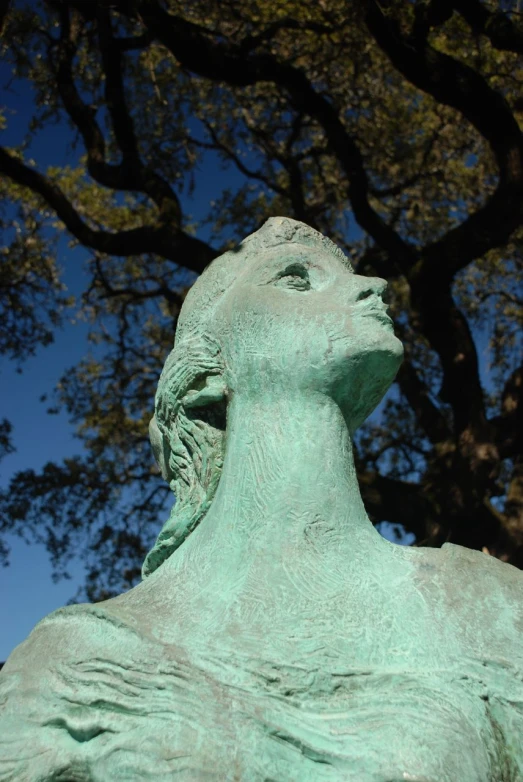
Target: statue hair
<point>188,428</point>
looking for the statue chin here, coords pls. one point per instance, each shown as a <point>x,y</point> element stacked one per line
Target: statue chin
<point>367,378</point>
<point>276,635</point>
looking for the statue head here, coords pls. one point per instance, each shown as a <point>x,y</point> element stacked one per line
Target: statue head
<point>283,313</point>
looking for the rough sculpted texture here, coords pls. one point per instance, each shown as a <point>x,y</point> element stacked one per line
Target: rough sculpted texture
<point>276,637</point>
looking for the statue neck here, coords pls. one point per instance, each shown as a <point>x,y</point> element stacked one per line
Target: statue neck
<point>288,484</point>
<point>286,541</point>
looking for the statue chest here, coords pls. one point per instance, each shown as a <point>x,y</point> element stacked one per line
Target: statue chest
<point>298,723</point>
<point>230,719</point>
<point>115,704</point>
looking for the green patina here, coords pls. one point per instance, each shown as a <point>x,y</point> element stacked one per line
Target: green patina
<point>276,636</point>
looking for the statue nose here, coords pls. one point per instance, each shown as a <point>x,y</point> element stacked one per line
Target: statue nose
<point>370,286</point>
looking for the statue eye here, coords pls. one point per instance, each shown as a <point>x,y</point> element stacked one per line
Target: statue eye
<point>295,276</point>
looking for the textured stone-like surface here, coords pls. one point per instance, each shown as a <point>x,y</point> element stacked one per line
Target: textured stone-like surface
<point>276,636</point>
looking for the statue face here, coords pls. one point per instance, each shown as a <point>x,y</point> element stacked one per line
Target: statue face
<point>299,319</point>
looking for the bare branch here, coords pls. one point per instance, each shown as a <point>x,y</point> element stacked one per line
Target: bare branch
<point>217,144</point>
<point>134,293</point>
<point>510,297</point>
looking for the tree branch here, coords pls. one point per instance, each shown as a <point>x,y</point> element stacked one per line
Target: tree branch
<point>503,33</point>
<point>429,417</point>
<point>133,42</point>
<point>130,174</point>
<point>143,178</point>
<point>399,502</point>
<point>112,62</point>
<point>509,424</point>
<point>448,333</point>
<point>251,42</point>
<point>454,84</point>
<point>134,293</point>
<point>4,10</point>
<point>165,238</point>
<point>185,250</point>
<point>219,61</point>
<point>231,154</point>
<point>420,174</point>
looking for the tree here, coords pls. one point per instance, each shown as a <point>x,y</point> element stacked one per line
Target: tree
<point>392,127</point>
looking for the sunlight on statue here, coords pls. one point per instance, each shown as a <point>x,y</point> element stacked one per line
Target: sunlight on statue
<point>276,635</point>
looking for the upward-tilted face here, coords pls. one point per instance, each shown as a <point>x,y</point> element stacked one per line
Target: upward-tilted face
<point>298,319</point>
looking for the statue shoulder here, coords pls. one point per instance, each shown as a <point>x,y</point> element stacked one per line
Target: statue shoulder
<point>488,595</point>
<point>67,634</point>
<point>469,563</point>
<point>81,674</point>
<point>476,598</point>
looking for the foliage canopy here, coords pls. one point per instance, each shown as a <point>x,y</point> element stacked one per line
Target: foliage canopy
<point>392,127</point>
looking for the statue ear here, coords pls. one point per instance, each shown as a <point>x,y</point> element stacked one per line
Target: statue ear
<point>160,448</point>
<point>213,391</point>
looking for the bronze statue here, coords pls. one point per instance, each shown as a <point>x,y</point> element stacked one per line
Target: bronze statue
<point>276,636</point>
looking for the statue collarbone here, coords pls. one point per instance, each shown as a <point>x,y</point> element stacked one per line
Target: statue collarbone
<point>273,620</point>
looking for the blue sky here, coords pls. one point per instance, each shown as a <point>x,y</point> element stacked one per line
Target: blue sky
<point>27,590</point>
